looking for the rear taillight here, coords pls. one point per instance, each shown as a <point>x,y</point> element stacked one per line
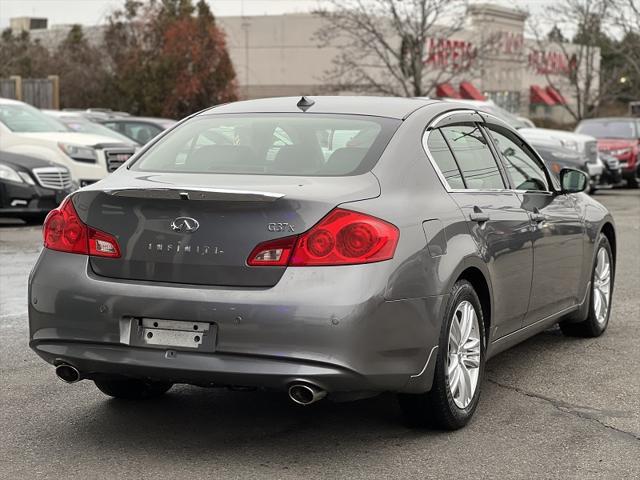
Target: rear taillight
<point>341,238</point>
<point>64,231</point>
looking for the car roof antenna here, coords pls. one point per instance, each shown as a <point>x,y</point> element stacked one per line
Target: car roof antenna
<point>305,103</point>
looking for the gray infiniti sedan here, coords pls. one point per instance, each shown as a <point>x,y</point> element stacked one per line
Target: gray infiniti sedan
<point>324,246</point>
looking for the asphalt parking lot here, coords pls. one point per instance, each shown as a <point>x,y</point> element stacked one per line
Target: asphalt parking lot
<point>552,407</point>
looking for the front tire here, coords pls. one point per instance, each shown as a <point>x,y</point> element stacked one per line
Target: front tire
<point>602,277</point>
<point>132,389</point>
<point>453,398</point>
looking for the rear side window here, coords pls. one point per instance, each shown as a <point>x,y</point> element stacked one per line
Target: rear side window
<point>472,153</point>
<point>444,159</point>
<point>272,144</point>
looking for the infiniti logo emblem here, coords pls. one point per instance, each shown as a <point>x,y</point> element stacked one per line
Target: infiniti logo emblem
<point>185,224</point>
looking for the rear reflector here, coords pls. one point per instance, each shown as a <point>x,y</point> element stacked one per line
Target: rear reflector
<point>65,232</point>
<point>342,237</point>
<point>273,253</point>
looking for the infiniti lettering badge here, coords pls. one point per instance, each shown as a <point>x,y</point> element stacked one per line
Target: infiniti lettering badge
<point>185,224</point>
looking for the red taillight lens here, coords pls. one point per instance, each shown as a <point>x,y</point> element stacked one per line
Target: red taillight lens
<point>64,231</point>
<point>344,238</point>
<point>341,238</point>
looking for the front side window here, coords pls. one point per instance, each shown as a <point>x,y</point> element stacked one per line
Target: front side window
<point>524,170</point>
<point>272,144</point>
<point>469,146</point>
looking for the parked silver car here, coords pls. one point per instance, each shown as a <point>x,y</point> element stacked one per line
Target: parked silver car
<point>339,246</point>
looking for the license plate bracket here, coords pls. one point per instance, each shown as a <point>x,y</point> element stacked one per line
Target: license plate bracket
<point>175,334</point>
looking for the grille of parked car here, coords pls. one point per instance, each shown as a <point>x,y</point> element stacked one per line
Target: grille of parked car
<point>591,151</point>
<point>116,157</point>
<point>55,178</point>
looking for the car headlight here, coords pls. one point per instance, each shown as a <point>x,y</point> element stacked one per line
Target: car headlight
<point>619,151</point>
<point>8,173</point>
<point>570,144</point>
<point>79,153</point>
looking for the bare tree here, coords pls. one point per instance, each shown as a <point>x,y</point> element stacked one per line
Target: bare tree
<point>626,17</point>
<point>579,73</point>
<point>388,46</point>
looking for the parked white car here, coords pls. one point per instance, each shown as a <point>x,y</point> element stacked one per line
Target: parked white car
<point>26,130</point>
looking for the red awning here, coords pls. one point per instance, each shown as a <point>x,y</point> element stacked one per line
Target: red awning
<point>555,95</point>
<point>468,91</point>
<point>538,95</point>
<point>446,90</point>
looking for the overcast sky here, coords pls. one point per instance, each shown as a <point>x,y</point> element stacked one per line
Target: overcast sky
<point>92,12</point>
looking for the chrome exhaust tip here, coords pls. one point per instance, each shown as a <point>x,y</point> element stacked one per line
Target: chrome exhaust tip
<point>306,394</point>
<point>68,373</point>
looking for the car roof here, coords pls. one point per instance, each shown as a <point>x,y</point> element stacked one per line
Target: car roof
<point>139,119</point>
<point>392,107</point>
<point>10,101</point>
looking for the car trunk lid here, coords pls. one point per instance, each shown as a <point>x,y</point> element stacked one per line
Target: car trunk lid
<point>195,229</point>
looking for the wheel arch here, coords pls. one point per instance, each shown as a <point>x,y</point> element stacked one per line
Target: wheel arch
<point>609,231</point>
<point>477,278</point>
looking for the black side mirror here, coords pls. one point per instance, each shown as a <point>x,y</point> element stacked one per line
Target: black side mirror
<point>573,181</point>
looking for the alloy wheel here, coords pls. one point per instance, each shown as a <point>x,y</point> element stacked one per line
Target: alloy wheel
<point>602,286</point>
<point>463,359</point>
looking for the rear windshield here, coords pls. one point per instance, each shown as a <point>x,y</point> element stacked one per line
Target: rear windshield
<point>272,144</point>
<point>609,129</point>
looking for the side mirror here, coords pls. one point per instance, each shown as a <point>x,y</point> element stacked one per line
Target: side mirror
<point>573,181</point>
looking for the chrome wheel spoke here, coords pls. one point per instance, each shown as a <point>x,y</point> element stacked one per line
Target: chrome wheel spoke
<point>466,322</point>
<point>471,361</point>
<point>454,381</point>
<point>454,336</point>
<point>453,364</point>
<point>605,271</point>
<point>465,379</point>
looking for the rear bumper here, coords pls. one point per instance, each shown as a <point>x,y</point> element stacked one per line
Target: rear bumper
<point>94,360</point>
<point>327,325</point>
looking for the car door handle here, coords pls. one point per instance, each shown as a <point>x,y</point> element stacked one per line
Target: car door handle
<point>538,217</point>
<point>478,215</point>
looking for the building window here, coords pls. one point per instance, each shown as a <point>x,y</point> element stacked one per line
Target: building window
<point>509,100</point>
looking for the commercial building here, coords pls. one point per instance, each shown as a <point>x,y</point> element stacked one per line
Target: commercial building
<point>280,55</point>
<point>276,55</point>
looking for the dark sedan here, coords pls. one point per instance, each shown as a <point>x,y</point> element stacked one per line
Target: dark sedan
<point>327,246</point>
<point>30,187</point>
<point>139,129</point>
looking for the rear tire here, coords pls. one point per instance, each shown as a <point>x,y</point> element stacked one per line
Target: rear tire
<point>132,389</point>
<point>454,395</point>
<point>602,277</point>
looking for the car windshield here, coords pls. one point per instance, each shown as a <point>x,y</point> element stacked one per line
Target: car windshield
<point>272,144</point>
<point>27,119</point>
<point>84,126</point>
<point>609,129</point>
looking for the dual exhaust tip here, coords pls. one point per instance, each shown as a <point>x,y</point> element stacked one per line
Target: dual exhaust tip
<point>300,393</point>
<point>304,394</point>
